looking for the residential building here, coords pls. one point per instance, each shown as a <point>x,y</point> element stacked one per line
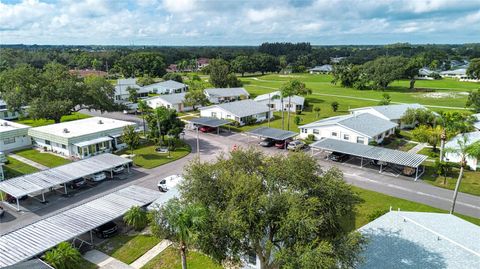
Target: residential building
<point>356,128</point>
<point>323,69</point>
<point>477,123</point>
<point>81,138</point>
<point>222,95</point>
<point>393,113</point>
<point>13,136</point>
<point>202,63</point>
<point>238,111</point>
<point>5,113</point>
<point>401,239</point>
<point>460,73</point>
<point>472,137</point>
<point>121,89</point>
<point>174,101</point>
<point>165,87</point>
<point>425,74</point>
<point>276,103</point>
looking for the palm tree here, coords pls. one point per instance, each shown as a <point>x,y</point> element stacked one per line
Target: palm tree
<point>64,256</point>
<point>293,87</point>
<point>143,107</point>
<point>179,222</point>
<point>464,150</point>
<point>136,217</point>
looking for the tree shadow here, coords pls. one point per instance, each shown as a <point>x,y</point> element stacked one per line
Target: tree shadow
<point>386,249</point>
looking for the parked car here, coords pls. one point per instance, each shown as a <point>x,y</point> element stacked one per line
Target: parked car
<point>106,230</point>
<point>376,162</point>
<point>97,177</point>
<point>13,200</point>
<point>207,129</point>
<point>77,183</point>
<point>338,157</point>
<point>295,145</point>
<point>118,169</point>
<point>167,183</point>
<point>161,149</point>
<point>2,211</point>
<point>281,143</point>
<point>267,143</point>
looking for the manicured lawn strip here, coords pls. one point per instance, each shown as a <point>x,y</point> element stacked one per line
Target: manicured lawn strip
<point>42,122</point>
<point>430,153</point>
<point>377,201</point>
<point>43,158</point>
<point>128,248</point>
<point>84,264</point>
<point>170,259</point>
<point>147,157</point>
<point>16,168</point>
<point>470,182</point>
<point>398,144</point>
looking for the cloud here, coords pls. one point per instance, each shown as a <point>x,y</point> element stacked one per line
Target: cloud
<point>251,22</point>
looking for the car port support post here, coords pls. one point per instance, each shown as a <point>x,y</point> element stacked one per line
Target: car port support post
<point>18,204</point>
<point>91,237</point>
<point>361,162</point>
<point>381,167</point>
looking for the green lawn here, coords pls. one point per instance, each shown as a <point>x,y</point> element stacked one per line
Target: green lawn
<point>128,248</point>
<point>43,158</point>
<point>170,259</point>
<point>430,153</point>
<point>470,182</point>
<point>42,122</point>
<point>373,201</point>
<point>16,168</point>
<point>398,144</point>
<point>146,157</point>
<point>84,264</point>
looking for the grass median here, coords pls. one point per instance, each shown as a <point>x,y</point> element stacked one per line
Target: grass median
<point>43,158</point>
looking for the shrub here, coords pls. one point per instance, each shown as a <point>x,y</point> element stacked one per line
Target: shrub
<point>250,120</point>
<point>376,214</point>
<point>136,217</point>
<point>373,143</point>
<point>64,256</point>
<point>298,112</point>
<point>311,137</point>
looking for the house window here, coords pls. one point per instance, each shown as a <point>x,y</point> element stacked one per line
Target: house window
<point>304,130</point>
<point>64,147</point>
<point>252,258</point>
<point>316,131</point>
<point>214,114</point>
<point>334,134</point>
<point>47,142</point>
<point>360,140</point>
<point>9,140</point>
<point>346,137</point>
<point>229,116</point>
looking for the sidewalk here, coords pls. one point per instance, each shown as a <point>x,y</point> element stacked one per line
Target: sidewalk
<point>29,162</point>
<point>104,261</point>
<point>417,148</point>
<point>152,253</point>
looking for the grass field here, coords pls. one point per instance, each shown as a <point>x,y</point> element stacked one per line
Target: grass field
<point>42,122</point>
<point>147,157</point>
<point>43,158</point>
<point>128,248</point>
<point>170,259</point>
<point>16,168</point>
<point>470,182</point>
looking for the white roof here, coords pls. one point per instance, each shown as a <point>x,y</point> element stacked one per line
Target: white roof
<point>82,127</point>
<point>391,112</point>
<point>174,98</point>
<point>294,99</point>
<point>6,125</point>
<point>93,141</point>
<point>457,72</point>
<point>471,138</point>
<point>421,240</point>
<point>226,92</point>
<point>243,108</point>
<point>166,85</point>
<point>34,239</point>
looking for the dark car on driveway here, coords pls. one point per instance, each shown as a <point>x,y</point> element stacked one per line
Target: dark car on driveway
<point>338,157</point>
<point>108,229</point>
<point>206,129</point>
<point>267,143</point>
<point>77,183</point>
<point>280,144</point>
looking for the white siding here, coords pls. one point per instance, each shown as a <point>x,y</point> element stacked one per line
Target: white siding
<point>219,113</point>
<point>276,105</point>
<point>342,133</point>
<point>15,142</point>
<point>471,162</point>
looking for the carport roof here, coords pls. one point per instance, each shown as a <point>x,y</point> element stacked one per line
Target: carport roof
<point>272,133</point>
<point>210,122</point>
<point>371,152</point>
<point>36,238</point>
<point>43,180</point>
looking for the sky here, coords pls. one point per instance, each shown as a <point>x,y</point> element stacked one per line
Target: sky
<point>238,22</point>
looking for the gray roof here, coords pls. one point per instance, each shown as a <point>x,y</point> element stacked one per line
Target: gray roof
<point>167,85</point>
<point>175,98</point>
<point>323,68</point>
<point>471,138</point>
<point>294,99</point>
<point>211,122</point>
<point>31,264</point>
<point>226,92</point>
<point>365,123</point>
<point>127,81</point>
<point>456,72</point>
<point>43,180</point>
<point>392,112</point>
<point>36,238</point>
<point>242,108</point>
<point>273,133</point>
<point>370,152</point>
<point>421,240</point>
<point>425,71</point>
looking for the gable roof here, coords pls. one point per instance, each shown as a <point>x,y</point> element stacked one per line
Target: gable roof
<point>365,123</point>
<point>226,92</point>
<point>323,68</point>
<point>391,112</point>
<point>296,99</point>
<point>242,108</point>
<point>471,138</point>
<point>167,85</point>
<point>175,98</point>
<point>421,240</point>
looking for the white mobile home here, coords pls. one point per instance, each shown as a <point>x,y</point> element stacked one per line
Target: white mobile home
<point>323,69</point>
<point>121,89</point>
<point>81,138</point>
<point>166,87</point>
<point>238,111</point>
<point>276,103</point>
<point>13,136</point>
<point>393,113</point>
<point>472,137</point>
<point>223,95</point>
<point>174,101</point>
<point>362,128</point>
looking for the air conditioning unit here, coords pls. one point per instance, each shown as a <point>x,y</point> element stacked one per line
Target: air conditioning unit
<point>66,131</point>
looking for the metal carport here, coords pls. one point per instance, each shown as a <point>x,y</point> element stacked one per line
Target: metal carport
<point>210,122</point>
<point>36,238</point>
<point>272,133</point>
<point>47,179</point>
<point>397,157</point>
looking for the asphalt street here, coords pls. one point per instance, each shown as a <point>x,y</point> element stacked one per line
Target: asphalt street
<point>211,146</point>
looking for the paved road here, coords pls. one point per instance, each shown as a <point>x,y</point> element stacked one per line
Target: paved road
<point>212,145</point>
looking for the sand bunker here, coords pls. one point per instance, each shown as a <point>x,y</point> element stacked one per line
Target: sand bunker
<point>440,95</point>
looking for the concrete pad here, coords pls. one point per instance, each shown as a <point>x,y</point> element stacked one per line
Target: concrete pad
<point>104,261</point>
<point>152,253</point>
